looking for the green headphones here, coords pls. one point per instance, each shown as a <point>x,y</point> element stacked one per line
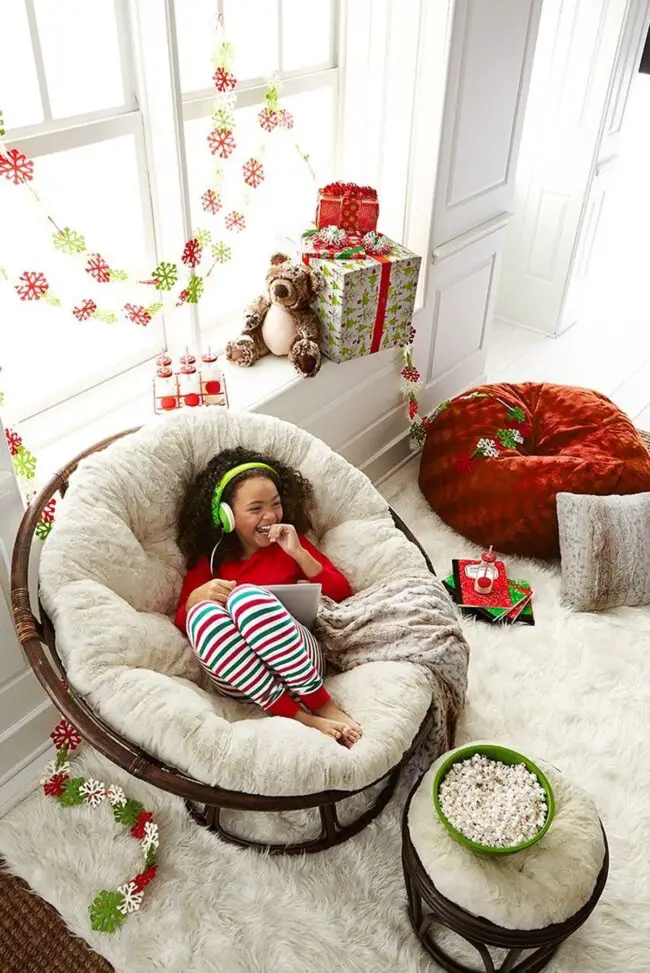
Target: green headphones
<point>222,515</point>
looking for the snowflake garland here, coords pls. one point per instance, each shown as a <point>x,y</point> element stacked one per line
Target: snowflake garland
<point>84,310</point>
<point>98,268</point>
<point>16,167</point>
<point>235,221</point>
<point>221,252</point>
<point>222,142</point>
<point>33,285</point>
<point>192,253</point>
<point>109,909</point>
<point>137,314</point>
<point>211,202</point>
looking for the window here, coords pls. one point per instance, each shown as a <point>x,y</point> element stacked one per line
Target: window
<point>113,101</point>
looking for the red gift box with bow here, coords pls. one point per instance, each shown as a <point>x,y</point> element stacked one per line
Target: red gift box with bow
<point>351,207</point>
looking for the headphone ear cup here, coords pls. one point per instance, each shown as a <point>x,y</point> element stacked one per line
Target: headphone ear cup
<point>226,518</point>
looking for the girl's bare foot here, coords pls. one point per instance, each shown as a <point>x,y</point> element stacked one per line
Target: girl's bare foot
<point>331,728</point>
<point>331,711</point>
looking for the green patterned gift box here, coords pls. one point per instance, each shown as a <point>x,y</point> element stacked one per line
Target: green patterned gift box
<point>368,300</point>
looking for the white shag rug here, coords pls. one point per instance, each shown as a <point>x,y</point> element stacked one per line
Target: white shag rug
<point>574,690</point>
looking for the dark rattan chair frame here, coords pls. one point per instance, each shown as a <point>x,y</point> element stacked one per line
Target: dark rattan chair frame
<point>203,801</point>
<point>428,908</point>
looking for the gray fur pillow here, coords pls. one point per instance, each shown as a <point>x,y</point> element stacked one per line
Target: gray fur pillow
<point>605,550</point>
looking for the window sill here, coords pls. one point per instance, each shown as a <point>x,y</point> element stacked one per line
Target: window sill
<point>127,401</point>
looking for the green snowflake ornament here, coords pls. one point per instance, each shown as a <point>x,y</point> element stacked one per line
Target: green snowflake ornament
<point>153,309</point>
<point>69,241</point>
<point>105,915</point>
<point>51,300</point>
<point>25,464</point>
<point>43,529</point>
<point>203,236</point>
<point>165,276</point>
<point>507,438</point>
<point>150,857</point>
<point>118,274</point>
<point>108,317</point>
<point>71,795</point>
<point>515,414</point>
<point>223,118</point>
<point>128,813</point>
<point>194,289</point>
<point>221,252</point>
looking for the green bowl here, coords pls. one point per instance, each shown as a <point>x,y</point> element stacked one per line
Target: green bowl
<point>506,756</point>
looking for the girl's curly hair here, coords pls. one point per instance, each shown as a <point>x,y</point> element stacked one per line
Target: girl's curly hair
<point>197,534</point>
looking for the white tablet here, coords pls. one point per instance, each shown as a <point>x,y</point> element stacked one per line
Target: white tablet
<point>300,600</point>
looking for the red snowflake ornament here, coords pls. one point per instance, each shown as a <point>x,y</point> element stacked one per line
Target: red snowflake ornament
<point>224,80</point>
<point>192,253</point>
<point>145,877</point>
<point>413,409</point>
<point>268,119</point>
<point>235,221</point>
<point>183,296</point>
<point>47,514</point>
<point>253,173</point>
<point>137,313</point>
<point>14,442</point>
<point>64,733</point>
<point>211,202</point>
<point>138,828</point>
<point>410,373</point>
<point>33,286</point>
<point>222,142</point>
<point>286,119</point>
<point>16,167</point>
<point>55,785</point>
<point>98,268</point>
<point>84,310</point>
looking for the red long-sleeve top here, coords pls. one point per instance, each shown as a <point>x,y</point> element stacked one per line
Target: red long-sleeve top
<point>269,565</point>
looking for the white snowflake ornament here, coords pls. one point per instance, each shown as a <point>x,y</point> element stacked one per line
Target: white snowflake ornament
<point>132,898</point>
<point>487,447</point>
<point>116,796</point>
<point>94,791</point>
<point>150,838</point>
<point>51,769</point>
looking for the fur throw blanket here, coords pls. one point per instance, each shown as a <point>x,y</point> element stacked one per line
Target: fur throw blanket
<point>409,619</point>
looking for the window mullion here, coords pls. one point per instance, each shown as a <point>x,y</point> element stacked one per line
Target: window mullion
<point>177,107</point>
<point>38,60</point>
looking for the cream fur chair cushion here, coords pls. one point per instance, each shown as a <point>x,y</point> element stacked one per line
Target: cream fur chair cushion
<point>111,574</point>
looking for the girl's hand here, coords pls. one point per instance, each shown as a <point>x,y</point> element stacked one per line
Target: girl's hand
<point>215,590</point>
<point>285,536</point>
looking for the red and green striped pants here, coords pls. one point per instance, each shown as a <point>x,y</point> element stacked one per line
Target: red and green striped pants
<point>254,650</point>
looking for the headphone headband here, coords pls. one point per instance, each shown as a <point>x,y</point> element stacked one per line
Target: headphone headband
<point>228,478</point>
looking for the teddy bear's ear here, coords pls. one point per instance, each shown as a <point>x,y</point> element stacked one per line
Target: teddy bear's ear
<point>318,282</point>
<point>279,258</point>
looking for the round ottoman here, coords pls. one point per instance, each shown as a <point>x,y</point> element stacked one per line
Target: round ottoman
<point>526,903</point>
<point>495,458</point>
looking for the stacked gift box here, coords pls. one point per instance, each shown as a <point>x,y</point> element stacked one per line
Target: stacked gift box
<point>367,304</point>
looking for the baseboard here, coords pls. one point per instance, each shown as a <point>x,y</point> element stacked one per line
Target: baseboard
<point>15,788</point>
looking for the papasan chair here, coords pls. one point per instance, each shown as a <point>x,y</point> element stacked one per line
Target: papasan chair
<point>102,642</point>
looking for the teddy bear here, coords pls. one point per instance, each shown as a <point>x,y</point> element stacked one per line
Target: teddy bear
<point>283,322</point>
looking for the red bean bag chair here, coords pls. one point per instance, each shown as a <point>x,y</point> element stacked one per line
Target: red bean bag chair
<point>495,458</point>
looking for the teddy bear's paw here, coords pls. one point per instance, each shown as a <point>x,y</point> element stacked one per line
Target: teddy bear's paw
<point>241,352</point>
<point>305,357</point>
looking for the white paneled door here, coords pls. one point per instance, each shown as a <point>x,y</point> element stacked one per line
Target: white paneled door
<point>586,55</point>
<point>26,716</point>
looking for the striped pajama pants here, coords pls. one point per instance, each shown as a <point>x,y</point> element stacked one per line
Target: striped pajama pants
<point>254,650</point>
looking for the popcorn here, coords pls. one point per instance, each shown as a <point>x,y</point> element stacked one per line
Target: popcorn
<point>494,804</point>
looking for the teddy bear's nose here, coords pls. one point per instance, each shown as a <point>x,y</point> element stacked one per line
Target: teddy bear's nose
<point>281,290</point>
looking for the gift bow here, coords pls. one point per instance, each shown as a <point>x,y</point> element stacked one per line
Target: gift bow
<point>349,190</point>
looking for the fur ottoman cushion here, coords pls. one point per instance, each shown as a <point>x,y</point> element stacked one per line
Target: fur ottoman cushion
<point>111,574</point>
<point>544,884</point>
<point>496,457</point>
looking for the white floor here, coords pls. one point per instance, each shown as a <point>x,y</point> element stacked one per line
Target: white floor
<point>609,348</point>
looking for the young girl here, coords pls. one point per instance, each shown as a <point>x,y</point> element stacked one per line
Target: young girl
<point>242,524</point>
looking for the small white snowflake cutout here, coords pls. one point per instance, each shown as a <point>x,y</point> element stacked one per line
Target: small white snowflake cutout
<point>516,435</point>
<point>132,898</point>
<point>487,447</point>
<point>150,839</point>
<point>52,769</point>
<point>116,796</point>
<point>94,791</point>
